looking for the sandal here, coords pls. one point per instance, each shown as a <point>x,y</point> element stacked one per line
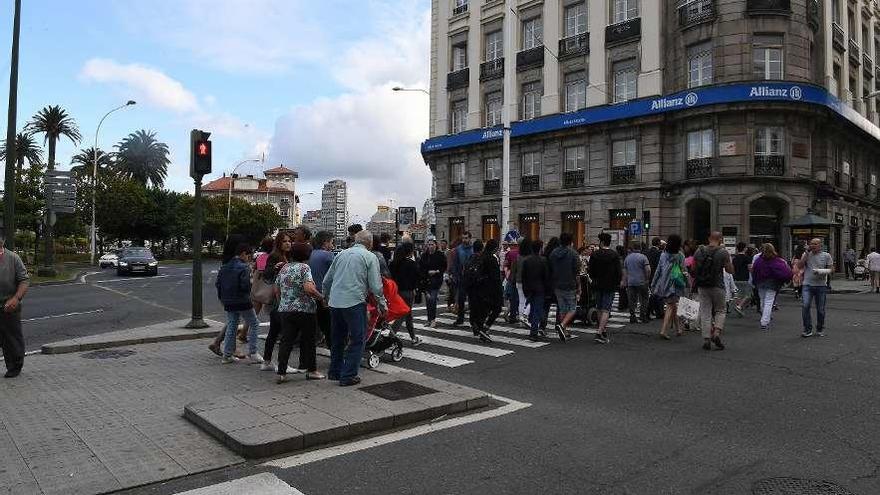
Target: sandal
<point>664,336</point>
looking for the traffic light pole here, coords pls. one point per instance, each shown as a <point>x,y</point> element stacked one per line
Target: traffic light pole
<point>9,193</point>
<point>197,320</point>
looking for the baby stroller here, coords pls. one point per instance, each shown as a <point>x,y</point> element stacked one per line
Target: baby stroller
<point>860,272</point>
<point>586,309</point>
<point>380,338</point>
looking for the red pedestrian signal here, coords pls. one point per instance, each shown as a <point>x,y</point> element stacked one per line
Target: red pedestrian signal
<point>200,159</point>
<point>203,149</point>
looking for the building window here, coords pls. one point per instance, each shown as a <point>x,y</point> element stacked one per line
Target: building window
<point>850,22</point>
<point>624,10</point>
<point>575,19</point>
<point>700,65</point>
<point>700,144</point>
<point>459,57</point>
<point>866,35</point>
<point>768,57</point>
<point>836,83</point>
<point>835,11</point>
<point>532,33</point>
<point>624,81</point>
<point>458,173</point>
<point>493,168</point>
<point>494,46</point>
<point>458,122</point>
<point>531,164</point>
<point>575,91</point>
<point>493,109</point>
<point>531,100</point>
<point>623,153</point>
<point>769,141</point>
<point>575,157</point>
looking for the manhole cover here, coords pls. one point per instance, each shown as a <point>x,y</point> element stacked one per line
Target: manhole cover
<point>398,390</point>
<point>108,354</point>
<point>797,486</point>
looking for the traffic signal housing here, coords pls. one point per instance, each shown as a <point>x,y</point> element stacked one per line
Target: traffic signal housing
<point>200,153</point>
<point>646,219</point>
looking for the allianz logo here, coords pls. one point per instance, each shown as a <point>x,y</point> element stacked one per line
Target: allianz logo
<point>494,133</point>
<point>689,99</point>
<point>794,92</point>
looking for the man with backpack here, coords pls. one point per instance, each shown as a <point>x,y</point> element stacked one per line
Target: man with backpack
<point>565,266</point>
<point>606,273</point>
<point>710,263</point>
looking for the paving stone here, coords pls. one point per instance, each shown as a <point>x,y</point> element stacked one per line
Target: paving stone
<point>317,426</point>
<point>130,456</point>
<point>70,473</point>
<point>362,417</point>
<point>265,440</point>
<point>265,398</point>
<point>229,419</point>
<point>216,403</point>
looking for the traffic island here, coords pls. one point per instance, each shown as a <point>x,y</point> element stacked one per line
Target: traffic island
<point>302,414</point>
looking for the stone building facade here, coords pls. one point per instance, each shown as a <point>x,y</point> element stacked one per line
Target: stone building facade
<point>277,188</point>
<point>691,116</point>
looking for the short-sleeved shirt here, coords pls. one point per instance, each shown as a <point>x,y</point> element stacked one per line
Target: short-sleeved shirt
<point>873,261</point>
<point>814,262</point>
<point>720,259</point>
<point>290,283</point>
<point>636,265</point>
<point>12,273</point>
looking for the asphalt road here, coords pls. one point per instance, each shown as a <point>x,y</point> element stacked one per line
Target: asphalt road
<point>643,416</point>
<point>105,302</point>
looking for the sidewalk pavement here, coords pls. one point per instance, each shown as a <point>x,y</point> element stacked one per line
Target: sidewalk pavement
<point>110,419</point>
<point>160,332</point>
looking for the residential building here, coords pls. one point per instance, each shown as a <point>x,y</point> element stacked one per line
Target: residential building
<point>700,115</point>
<point>334,209</point>
<point>277,187</point>
<point>312,220</point>
<point>384,221</point>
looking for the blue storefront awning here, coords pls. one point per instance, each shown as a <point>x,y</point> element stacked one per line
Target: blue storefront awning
<point>695,98</point>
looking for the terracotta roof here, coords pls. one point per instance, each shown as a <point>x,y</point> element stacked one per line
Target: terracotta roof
<point>280,170</point>
<point>223,183</point>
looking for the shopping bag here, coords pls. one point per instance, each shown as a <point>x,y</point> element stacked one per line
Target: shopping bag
<point>688,308</point>
<point>261,291</point>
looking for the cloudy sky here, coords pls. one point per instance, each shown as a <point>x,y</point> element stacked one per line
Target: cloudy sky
<point>308,82</point>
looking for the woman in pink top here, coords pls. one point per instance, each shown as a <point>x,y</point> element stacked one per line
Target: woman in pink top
<point>260,262</point>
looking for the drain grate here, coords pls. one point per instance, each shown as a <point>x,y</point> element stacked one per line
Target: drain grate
<point>797,486</point>
<point>398,390</point>
<point>108,354</point>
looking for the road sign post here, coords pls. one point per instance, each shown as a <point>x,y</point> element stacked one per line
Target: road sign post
<point>199,165</point>
<point>59,190</point>
<point>635,228</point>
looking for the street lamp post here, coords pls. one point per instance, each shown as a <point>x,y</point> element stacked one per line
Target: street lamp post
<point>398,88</point>
<point>231,184</point>
<point>95,175</point>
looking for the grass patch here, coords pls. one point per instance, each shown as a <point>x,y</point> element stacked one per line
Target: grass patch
<point>62,275</point>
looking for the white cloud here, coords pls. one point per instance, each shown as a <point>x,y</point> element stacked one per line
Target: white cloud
<point>370,137</point>
<point>146,84</point>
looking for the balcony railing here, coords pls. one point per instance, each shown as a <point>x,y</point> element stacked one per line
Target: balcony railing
<point>493,69</point>
<point>696,12</point>
<point>461,9</point>
<point>623,31</point>
<point>573,178</point>
<point>700,168</point>
<point>458,79</point>
<point>770,165</point>
<point>838,39</point>
<point>530,59</point>
<point>854,52</point>
<point>625,174</point>
<point>868,65</point>
<point>492,186</point>
<point>573,46</point>
<point>768,6</point>
<point>456,190</point>
<point>529,183</point>
<point>813,9</point>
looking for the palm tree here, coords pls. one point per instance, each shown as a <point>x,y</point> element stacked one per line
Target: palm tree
<point>85,163</point>
<point>140,157</point>
<point>25,149</point>
<point>54,122</point>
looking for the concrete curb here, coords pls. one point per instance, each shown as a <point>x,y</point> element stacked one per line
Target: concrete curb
<point>162,332</point>
<point>73,279</point>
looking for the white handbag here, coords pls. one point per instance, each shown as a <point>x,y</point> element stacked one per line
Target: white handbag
<point>688,308</point>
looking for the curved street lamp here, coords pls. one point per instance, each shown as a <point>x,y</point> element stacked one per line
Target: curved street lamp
<point>231,184</point>
<point>398,88</point>
<point>95,173</point>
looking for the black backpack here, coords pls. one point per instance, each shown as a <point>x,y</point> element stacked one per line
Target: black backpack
<point>707,271</point>
<point>473,276</point>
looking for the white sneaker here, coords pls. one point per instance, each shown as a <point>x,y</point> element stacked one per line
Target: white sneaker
<point>433,324</point>
<point>267,366</point>
<point>255,359</point>
<point>416,341</point>
<point>228,359</point>
<point>290,370</point>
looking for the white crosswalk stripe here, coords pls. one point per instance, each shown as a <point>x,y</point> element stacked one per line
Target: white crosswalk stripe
<point>495,338</point>
<point>505,328</point>
<point>263,483</point>
<point>465,347</point>
<point>431,358</point>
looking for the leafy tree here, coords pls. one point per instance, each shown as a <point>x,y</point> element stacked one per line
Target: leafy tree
<point>119,206</point>
<point>140,157</point>
<point>26,149</point>
<point>84,163</point>
<point>30,201</point>
<point>54,122</point>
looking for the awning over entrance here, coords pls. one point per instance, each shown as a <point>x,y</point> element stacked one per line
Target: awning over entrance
<point>811,220</point>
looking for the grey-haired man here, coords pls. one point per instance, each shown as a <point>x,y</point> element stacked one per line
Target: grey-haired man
<point>13,286</point>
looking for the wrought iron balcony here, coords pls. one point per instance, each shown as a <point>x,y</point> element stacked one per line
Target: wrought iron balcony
<point>768,6</point>
<point>770,165</point>
<point>838,39</point>
<point>700,168</point>
<point>854,52</point>
<point>492,186</point>
<point>531,58</point>
<point>458,79</point>
<point>456,190</point>
<point>461,9</point>
<point>868,65</point>
<point>574,46</point>
<point>696,12</point>
<point>623,31</point>
<point>625,174</point>
<point>529,183</point>
<point>573,178</point>
<point>493,69</point>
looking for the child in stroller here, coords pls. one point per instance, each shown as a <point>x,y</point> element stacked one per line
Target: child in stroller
<point>380,337</point>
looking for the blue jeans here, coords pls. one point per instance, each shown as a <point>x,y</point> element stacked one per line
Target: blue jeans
<point>347,323</point>
<point>250,318</point>
<point>817,292</point>
<point>431,303</point>
<point>512,295</point>
<point>536,312</point>
<point>461,298</point>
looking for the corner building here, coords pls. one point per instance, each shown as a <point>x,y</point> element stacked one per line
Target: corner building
<point>700,115</point>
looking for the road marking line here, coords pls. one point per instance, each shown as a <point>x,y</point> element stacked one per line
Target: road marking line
<point>139,299</point>
<point>431,358</point>
<point>506,328</point>
<point>263,483</point>
<point>338,450</point>
<point>495,338</point>
<point>76,313</point>
<point>464,347</point>
<point>129,279</point>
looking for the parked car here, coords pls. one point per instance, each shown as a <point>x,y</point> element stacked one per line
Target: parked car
<point>136,260</point>
<point>108,260</point>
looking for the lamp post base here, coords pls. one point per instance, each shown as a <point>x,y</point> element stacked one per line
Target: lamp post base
<point>196,323</point>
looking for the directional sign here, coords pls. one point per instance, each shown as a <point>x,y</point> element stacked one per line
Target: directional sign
<point>59,189</point>
<point>635,227</point>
